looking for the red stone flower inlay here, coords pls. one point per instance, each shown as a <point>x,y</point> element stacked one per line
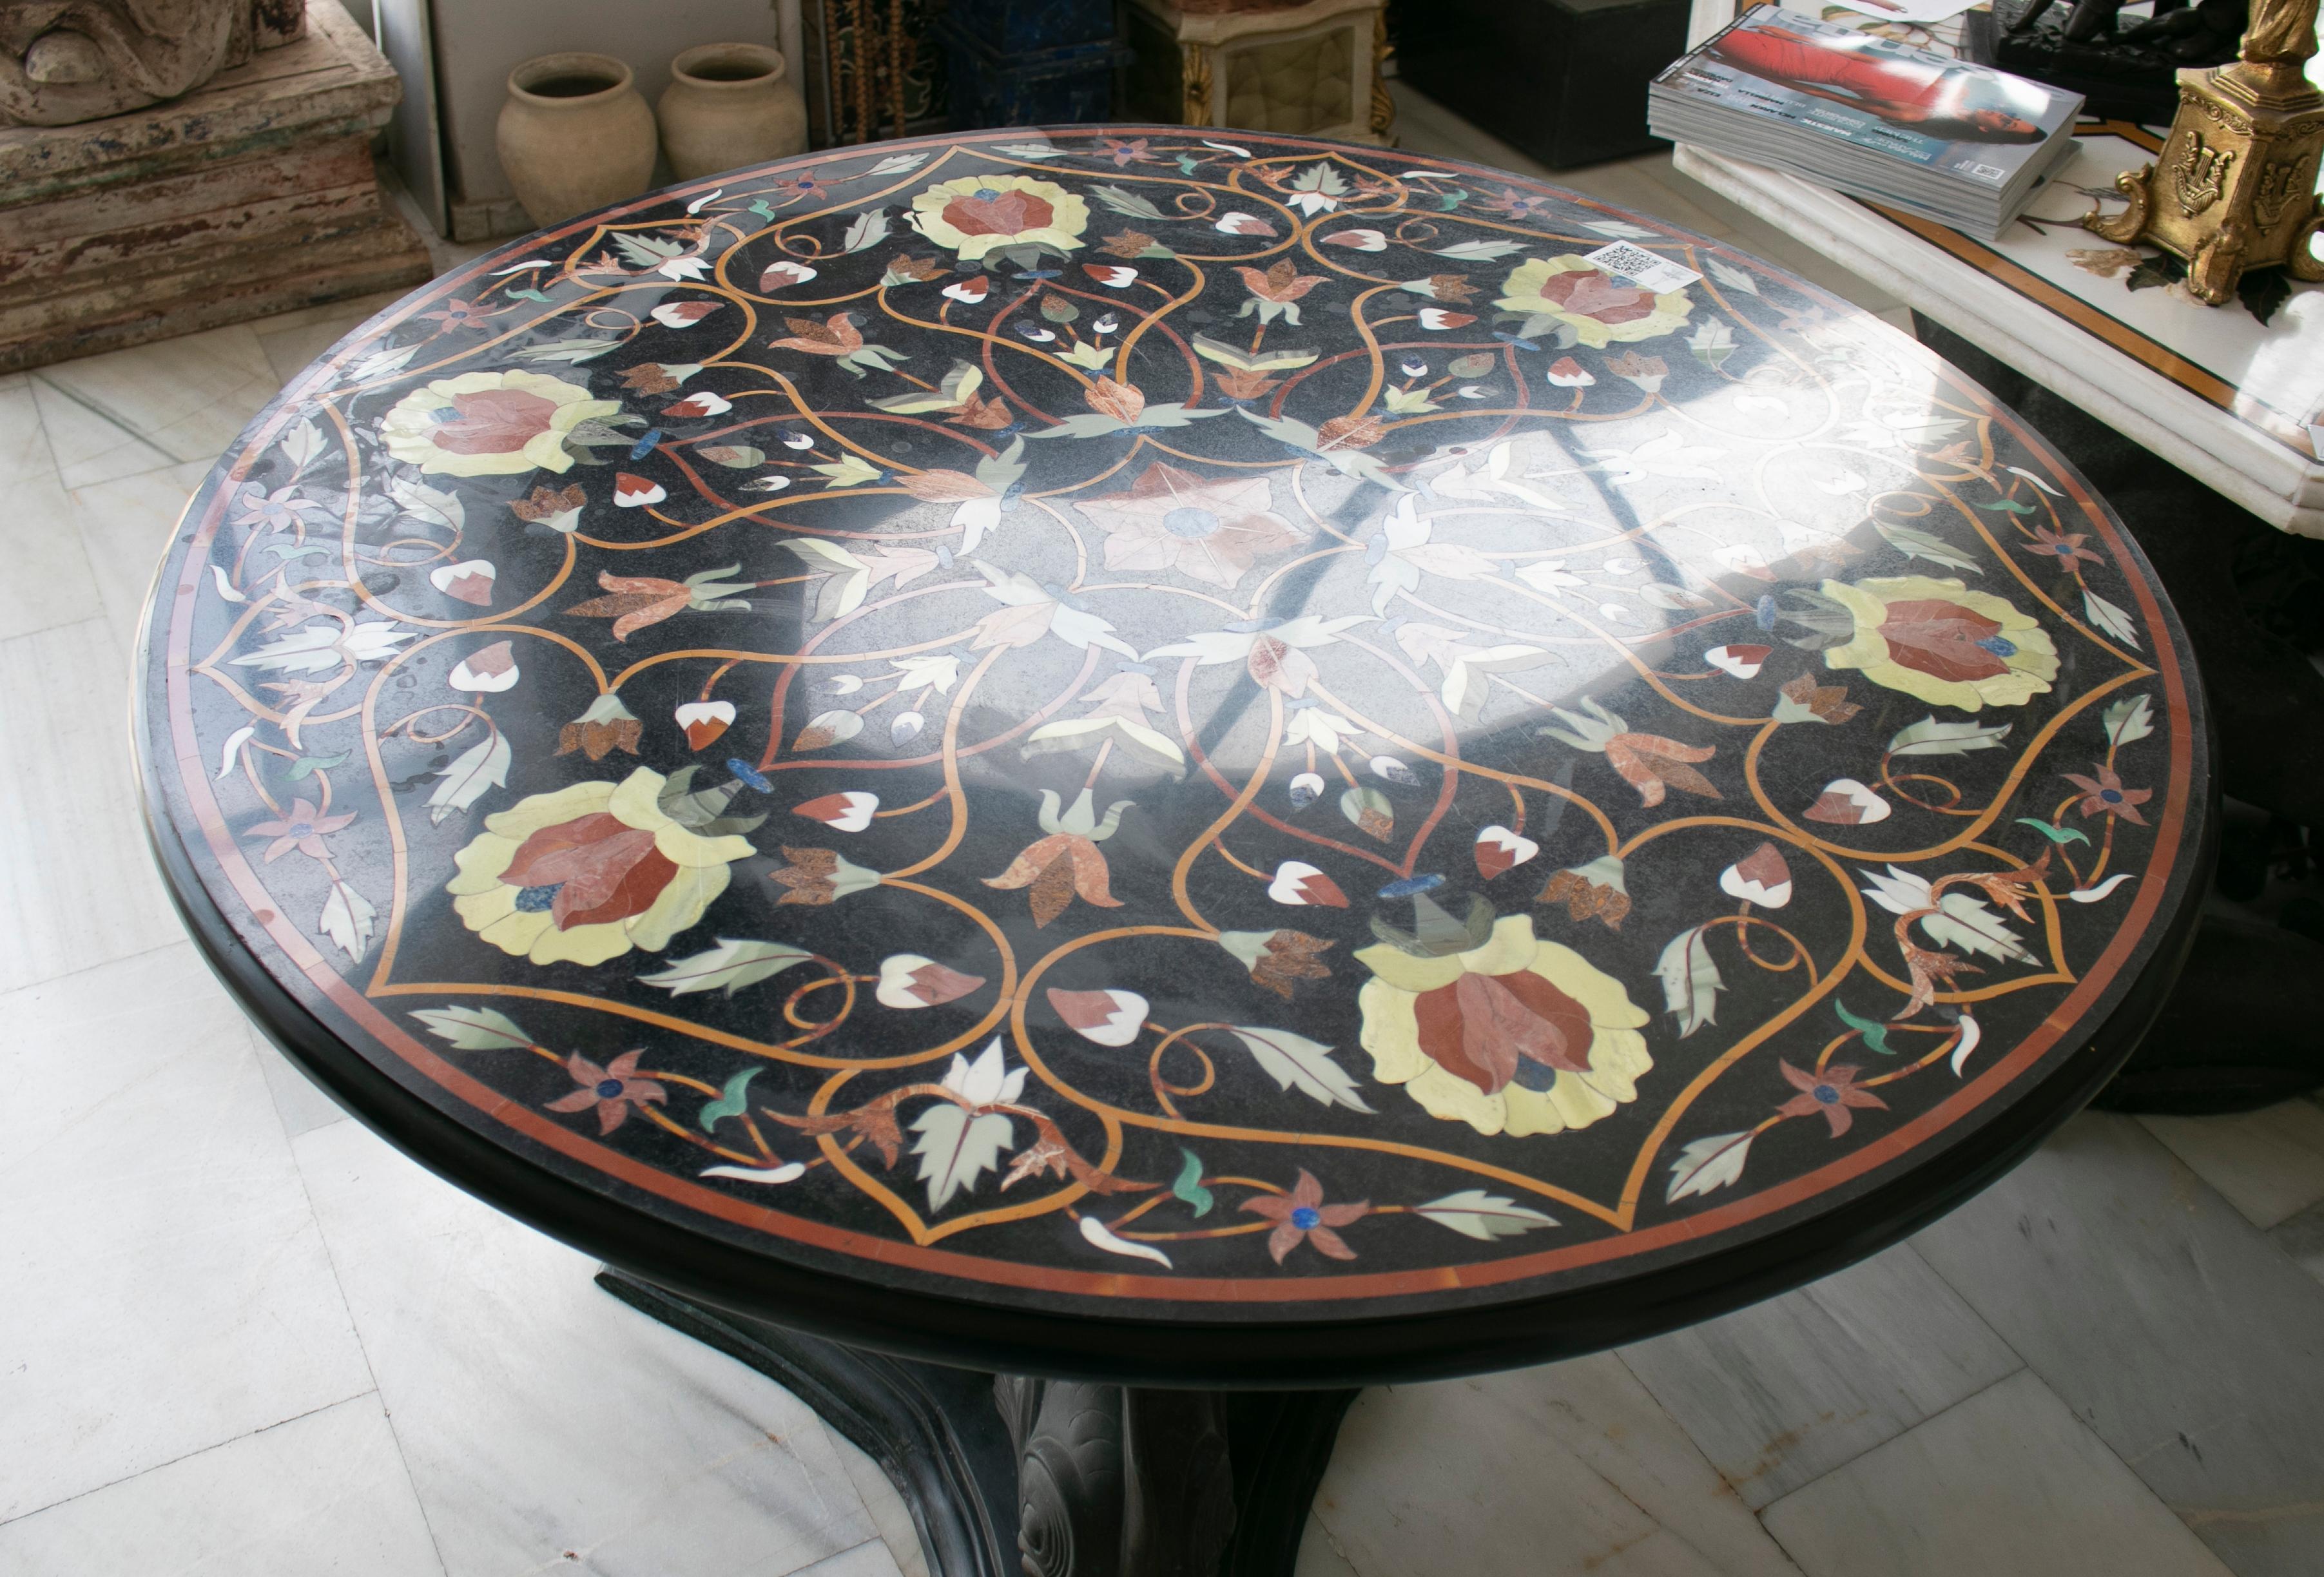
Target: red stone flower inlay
<point>1302,1216</point>
<point>1593,295</point>
<point>1004,212</point>
<point>1830,1094</point>
<point>494,421</point>
<point>2102,795</point>
<point>1484,1027</point>
<point>1944,638</point>
<point>589,871</point>
<point>610,1091</point>
<point>1059,868</point>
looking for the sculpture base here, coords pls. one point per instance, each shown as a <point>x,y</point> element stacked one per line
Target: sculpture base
<point>2232,190</point>
<point>1004,1474</point>
<point>252,196</point>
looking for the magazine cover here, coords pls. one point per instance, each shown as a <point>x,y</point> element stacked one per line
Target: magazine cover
<point>1800,73</point>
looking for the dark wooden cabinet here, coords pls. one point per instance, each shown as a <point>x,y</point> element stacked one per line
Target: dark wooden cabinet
<point>1565,80</point>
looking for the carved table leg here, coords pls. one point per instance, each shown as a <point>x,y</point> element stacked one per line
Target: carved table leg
<point>1006,1475</point>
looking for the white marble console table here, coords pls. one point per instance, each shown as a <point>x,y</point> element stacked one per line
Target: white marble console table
<point>2234,402</point>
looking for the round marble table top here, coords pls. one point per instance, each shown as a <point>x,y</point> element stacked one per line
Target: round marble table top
<point>1127,725</point>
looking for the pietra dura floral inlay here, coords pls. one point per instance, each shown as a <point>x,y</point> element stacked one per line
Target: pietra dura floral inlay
<point>1076,719</point>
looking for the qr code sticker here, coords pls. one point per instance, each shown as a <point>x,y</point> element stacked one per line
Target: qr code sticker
<point>1624,258</point>
<point>1646,269</point>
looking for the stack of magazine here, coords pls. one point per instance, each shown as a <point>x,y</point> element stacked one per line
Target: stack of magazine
<point>1961,144</point>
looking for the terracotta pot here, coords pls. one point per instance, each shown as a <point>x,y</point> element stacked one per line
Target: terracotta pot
<point>575,135</point>
<point>728,104</point>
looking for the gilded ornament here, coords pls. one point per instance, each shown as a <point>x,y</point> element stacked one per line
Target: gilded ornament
<point>2241,196</point>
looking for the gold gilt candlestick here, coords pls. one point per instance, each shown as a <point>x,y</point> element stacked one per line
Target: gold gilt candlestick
<point>2235,186</point>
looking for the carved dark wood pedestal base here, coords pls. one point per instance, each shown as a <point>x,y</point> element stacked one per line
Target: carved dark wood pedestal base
<point>1006,1474</point>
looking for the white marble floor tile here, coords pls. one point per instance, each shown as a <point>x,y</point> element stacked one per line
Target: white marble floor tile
<point>1570,1468</point>
<point>883,1503</point>
<point>151,405</point>
<point>323,1493</point>
<point>543,1419</point>
<point>2168,1323</point>
<point>1786,1391</point>
<point>2006,1484</point>
<point>89,445</point>
<point>2269,1164</point>
<point>2301,1237</point>
<point>84,890</point>
<point>125,526</point>
<point>869,1559</point>
<point>166,1288</point>
<point>299,1102</point>
<point>1319,1556</point>
<point>49,581</point>
<point>24,442</point>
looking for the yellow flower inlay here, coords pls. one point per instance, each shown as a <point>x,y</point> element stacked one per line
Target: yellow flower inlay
<point>1577,294</point>
<point>587,873</point>
<point>977,213</point>
<point>1517,1036</point>
<point>1940,642</point>
<point>490,424</point>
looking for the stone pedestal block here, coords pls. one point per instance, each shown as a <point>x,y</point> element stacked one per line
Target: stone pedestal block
<point>253,195</point>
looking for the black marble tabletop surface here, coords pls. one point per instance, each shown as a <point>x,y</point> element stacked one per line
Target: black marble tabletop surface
<point>1205,729</point>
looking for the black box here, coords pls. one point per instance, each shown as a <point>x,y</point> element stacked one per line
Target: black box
<point>1069,85</point>
<point>1565,80</point>
<point>1015,27</point>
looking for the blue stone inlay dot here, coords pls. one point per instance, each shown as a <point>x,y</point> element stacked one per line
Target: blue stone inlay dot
<point>1537,1076</point>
